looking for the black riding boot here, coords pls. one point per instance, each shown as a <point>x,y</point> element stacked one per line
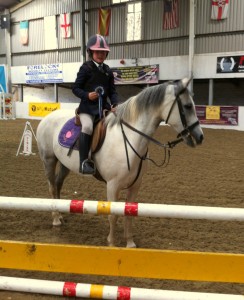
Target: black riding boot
<point>86,166</point>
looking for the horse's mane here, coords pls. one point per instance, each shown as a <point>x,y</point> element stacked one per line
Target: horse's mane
<point>149,98</point>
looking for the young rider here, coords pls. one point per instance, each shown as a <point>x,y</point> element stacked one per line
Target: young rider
<point>94,85</point>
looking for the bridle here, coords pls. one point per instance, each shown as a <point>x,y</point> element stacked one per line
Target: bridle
<point>186,132</point>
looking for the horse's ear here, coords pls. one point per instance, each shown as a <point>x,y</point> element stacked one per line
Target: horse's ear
<point>181,85</point>
<point>186,81</point>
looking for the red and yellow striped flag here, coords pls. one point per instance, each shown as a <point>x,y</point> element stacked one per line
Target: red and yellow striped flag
<point>104,21</point>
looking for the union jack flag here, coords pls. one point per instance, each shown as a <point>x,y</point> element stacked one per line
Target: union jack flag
<point>171,14</point>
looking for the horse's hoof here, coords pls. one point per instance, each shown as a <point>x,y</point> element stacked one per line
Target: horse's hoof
<point>58,221</point>
<point>57,224</point>
<point>110,244</point>
<point>131,245</point>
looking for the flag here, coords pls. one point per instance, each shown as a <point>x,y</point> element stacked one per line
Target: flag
<point>171,14</point>
<point>219,9</point>
<point>24,36</point>
<point>50,33</point>
<point>104,21</point>
<point>65,24</point>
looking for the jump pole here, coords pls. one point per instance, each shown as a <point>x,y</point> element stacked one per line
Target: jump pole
<point>92,291</point>
<point>123,208</point>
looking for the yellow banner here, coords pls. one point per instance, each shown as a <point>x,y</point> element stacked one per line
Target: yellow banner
<point>42,109</point>
<point>212,112</point>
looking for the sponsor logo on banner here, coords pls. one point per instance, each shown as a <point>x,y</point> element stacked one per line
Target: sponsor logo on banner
<point>217,115</point>
<point>42,109</point>
<point>136,75</point>
<point>49,73</point>
<point>230,64</point>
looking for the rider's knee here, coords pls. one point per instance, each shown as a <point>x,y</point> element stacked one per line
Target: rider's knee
<point>87,129</point>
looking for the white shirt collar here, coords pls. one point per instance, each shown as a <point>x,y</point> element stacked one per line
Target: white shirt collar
<point>97,63</point>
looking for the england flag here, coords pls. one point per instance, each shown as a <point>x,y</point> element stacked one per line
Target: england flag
<point>219,9</point>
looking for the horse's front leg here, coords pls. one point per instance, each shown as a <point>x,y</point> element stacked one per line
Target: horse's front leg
<point>128,221</point>
<point>128,232</point>
<point>112,225</point>
<point>112,195</point>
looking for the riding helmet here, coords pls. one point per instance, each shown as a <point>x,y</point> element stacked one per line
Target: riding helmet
<point>97,43</point>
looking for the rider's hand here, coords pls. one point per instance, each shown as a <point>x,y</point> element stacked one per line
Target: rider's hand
<point>113,108</point>
<point>93,96</point>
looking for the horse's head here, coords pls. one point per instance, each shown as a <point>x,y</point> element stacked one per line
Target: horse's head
<point>182,114</point>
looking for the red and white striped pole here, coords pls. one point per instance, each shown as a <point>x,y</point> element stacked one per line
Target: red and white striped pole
<point>92,291</point>
<point>123,208</point>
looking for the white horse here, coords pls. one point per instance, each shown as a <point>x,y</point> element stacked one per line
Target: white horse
<point>121,161</point>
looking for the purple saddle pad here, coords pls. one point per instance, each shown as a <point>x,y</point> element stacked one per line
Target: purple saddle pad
<point>69,134</point>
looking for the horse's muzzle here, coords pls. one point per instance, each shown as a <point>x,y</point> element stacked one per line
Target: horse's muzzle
<point>200,139</point>
<point>192,134</point>
<point>194,139</point>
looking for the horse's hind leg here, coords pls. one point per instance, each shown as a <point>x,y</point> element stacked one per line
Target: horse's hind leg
<point>59,180</point>
<point>50,172</point>
<point>55,182</point>
<point>60,177</point>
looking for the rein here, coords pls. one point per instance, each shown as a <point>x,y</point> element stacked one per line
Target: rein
<point>169,145</point>
<point>184,133</point>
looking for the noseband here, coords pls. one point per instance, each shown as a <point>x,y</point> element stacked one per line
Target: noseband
<point>187,129</point>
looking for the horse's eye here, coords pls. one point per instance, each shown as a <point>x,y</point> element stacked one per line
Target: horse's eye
<point>188,106</point>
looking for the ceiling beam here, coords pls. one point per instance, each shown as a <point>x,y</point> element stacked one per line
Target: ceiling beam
<point>19,5</point>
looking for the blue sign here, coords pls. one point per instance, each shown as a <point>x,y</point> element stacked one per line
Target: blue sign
<point>3,87</point>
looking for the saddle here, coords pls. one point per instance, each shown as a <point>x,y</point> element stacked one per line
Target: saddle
<point>70,132</point>
<point>98,136</point>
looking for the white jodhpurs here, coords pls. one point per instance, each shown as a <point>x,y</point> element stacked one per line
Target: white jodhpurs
<point>87,123</point>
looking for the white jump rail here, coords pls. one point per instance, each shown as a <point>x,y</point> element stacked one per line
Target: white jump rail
<point>122,208</point>
<point>91,291</point>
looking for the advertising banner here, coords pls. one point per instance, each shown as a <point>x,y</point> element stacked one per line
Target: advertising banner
<point>217,115</point>
<point>42,109</point>
<point>230,64</point>
<point>136,75</point>
<point>49,73</point>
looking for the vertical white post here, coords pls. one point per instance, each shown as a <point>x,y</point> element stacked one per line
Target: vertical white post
<point>8,56</point>
<point>1,101</point>
<point>210,92</point>
<point>4,108</point>
<point>191,41</point>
